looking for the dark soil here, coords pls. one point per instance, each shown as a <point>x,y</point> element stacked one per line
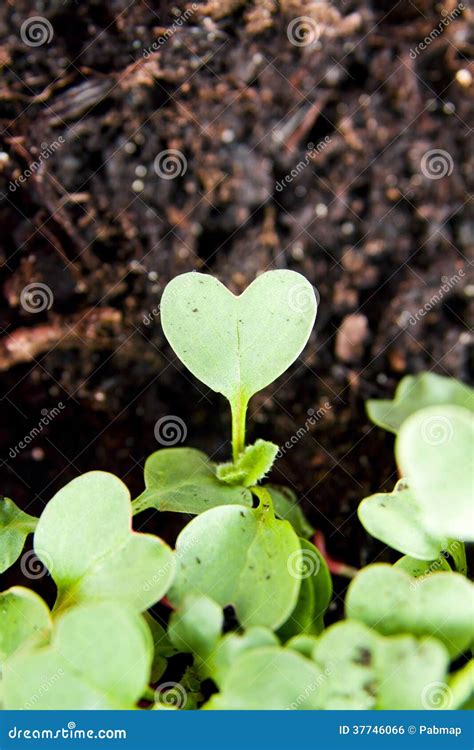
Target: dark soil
<point>105,233</point>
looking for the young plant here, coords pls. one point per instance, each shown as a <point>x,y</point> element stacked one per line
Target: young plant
<point>248,548</point>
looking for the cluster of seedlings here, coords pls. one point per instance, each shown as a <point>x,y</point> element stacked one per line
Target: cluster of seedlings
<point>408,628</point>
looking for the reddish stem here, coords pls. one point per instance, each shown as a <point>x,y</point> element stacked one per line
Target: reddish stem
<point>336,567</point>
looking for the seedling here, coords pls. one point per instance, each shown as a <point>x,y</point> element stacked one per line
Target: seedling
<point>248,548</point>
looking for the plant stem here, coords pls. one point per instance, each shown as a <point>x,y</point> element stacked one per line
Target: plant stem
<point>239,412</point>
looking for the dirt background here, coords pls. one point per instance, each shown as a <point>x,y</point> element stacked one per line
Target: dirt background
<point>120,82</point>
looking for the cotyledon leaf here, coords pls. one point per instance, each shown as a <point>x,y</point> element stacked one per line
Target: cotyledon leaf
<point>435,452</point>
<point>15,525</point>
<point>184,480</point>
<point>99,658</point>
<point>24,618</point>
<point>391,601</point>
<point>84,537</point>
<point>395,519</point>
<point>364,670</point>
<point>268,678</point>
<point>416,392</point>
<point>285,504</point>
<point>238,345</point>
<point>315,593</point>
<point>239,556</point>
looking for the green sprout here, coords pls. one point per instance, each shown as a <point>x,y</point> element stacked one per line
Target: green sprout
<point>408,625</point>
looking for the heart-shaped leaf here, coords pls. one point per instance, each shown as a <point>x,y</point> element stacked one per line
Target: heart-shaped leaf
<point>14,528</point>
<point>315,593</point>
<point>390,601</point>
<point>25,617</point>
<point>268,678</point>
<point>251,466</point>
<point>416,392</point>
<point>99,658</point>
<point>84,538</point>
<point>239,556</point>
<point>435,451</point>
<point>363,670</point>
<point>396,520</point>
<point>238,345</point>
<point>184,480</point>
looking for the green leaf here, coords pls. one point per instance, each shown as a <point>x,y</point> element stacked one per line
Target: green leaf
<point>435,451</point>
<point>268,678</point>
<point>162,647</point>
<point>460,693</point>
<point>196,626</point>
<point>25,618</point>
<point>231,646</point>
<point>15,525</point>
<point>416,392</point>
<point>238,345</point>
<point>315,593</point>
<point>395,519</point>
<point>84,538</point>
<point>184,480</point>
<point>364,670</point>
<point>390,601</point>
<point>285,504</point>
<point>251,466</point>
<point>239,556</point>
<point>417,568</point>
<point>99,658</point>
<point>304,644</point>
